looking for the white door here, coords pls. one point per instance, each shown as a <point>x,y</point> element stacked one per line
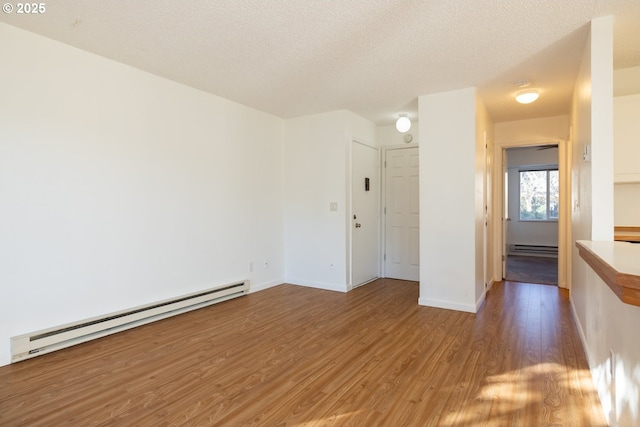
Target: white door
<point>505,212</point>
<point>365,190</point>
<point>402,214</point>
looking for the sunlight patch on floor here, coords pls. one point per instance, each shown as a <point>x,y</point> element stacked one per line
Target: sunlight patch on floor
<point>542,388</point>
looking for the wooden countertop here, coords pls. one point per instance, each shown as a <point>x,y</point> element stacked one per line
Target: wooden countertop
<point>626,234</point>
<point>617,264</point>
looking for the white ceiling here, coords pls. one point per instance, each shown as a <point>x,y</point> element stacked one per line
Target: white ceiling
<point>373,57</point>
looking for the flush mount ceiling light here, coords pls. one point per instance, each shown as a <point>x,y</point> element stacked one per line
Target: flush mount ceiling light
<point>527,96</point>
<point>403,124</point>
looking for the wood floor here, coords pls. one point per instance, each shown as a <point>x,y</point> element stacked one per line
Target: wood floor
<point>303,357</point>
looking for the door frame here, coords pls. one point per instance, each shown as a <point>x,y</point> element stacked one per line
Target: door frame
<point>349,221</point>
<point>564,219</point>
<point>383,197</point>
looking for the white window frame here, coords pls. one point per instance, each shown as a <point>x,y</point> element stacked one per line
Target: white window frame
<point>546,169</point>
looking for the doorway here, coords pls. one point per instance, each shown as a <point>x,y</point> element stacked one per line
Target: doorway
<point>365,205</point>
<point>402,214</point>
<point>534,212</point>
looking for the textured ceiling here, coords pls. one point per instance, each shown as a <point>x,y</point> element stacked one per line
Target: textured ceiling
<point>373,57</point>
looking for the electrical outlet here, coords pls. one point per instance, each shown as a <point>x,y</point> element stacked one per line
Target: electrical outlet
<point>266,264</point>
<point>251,267</point>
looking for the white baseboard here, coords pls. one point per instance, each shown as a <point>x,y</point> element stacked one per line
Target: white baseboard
<point>469,308</point>
<point>318,285</point>
<point>262,286</point>
<point>583,338</point>
<point>480,301</point>
<point>592,365</point>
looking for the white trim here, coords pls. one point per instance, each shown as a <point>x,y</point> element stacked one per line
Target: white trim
<point>263,286</point>
<point>480,300</point>
<point>590,362</point>
<point>318,285</point>
<point>350,284</point>
<point>583,338</point>
<point>469,308</point>
<point>564,221</point>
<point>363,283</point>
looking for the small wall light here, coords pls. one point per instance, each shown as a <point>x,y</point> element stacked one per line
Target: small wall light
<point>403,124</point>
<point>527,96</point>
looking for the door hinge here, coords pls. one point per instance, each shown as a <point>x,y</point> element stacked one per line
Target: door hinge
<point>384,257</point>
<point>502,257</point>
<point>385,210</point>
<point>385,163</point>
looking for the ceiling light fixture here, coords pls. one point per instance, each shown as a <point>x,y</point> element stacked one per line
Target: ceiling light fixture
<point>403,124</point>
<point>527,96</point>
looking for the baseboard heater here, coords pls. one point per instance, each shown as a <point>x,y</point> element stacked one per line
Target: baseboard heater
<point>539,250</point>
<point>47,340</point>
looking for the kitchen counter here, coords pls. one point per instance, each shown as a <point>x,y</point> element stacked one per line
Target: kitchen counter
<point>618,265</point>
<point>626,234</point>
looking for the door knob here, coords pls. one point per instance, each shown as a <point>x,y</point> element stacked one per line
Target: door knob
<point>358,225</point>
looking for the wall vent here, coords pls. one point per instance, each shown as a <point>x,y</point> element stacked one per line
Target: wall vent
<point>47,340</point>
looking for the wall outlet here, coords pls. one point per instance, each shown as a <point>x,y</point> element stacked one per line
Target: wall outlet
<point>266,264</point>
<point>251,267</point>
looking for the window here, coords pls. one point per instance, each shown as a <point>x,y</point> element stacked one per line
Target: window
<point>539,195</point>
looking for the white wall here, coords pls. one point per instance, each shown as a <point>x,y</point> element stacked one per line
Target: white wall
<point>532,130</point>
<point>317,169</point>
<point>120,188</point>
<point>626,205</point>
<point>389,135</point>
<point>484,137</point>
<point>626,165</point>
<point>603,320</point>
<point>626,162</point>
<point>528,232</point>
<point>626,81</point>
<point>447,199</point>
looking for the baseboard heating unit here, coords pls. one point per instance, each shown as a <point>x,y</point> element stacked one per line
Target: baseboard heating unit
<point>533,250</point>
<point>47,340</point>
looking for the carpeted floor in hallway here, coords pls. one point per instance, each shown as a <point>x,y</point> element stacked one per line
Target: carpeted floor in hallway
<point>532,269</point>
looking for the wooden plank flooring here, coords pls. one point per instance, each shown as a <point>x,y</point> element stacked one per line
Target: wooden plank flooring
<point>298,356</point>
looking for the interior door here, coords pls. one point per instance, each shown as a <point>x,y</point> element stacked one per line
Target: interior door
<point>505,212</point>
<point>365,228</point>
<point>402,214</point>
